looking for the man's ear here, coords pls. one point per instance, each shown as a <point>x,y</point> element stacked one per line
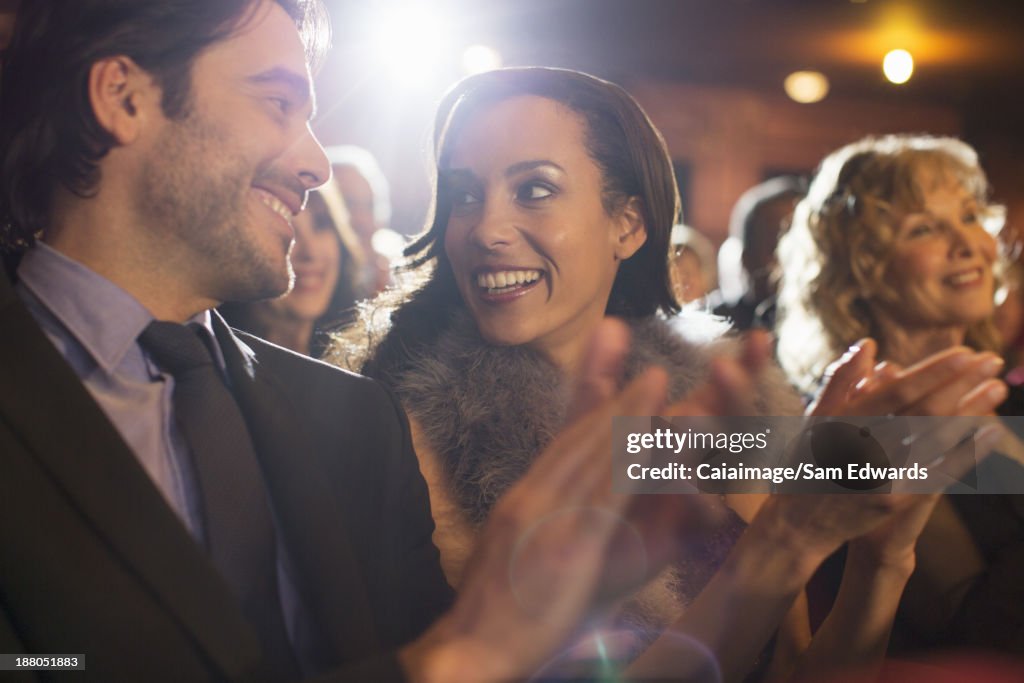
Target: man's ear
<point>632,229</point>
<point>121,93</point>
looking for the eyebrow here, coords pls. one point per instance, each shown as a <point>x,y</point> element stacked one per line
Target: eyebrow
<point>299,85</point>
<point>450,174</point>
<point>530,165</point>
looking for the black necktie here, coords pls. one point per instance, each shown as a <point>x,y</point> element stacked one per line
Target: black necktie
<point>238,522</point>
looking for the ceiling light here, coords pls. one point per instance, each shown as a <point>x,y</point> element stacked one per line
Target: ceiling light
<point>806,86</point>
<point>898,66</point>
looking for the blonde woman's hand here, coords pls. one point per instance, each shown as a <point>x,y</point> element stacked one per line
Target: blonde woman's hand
<point>956,381</point>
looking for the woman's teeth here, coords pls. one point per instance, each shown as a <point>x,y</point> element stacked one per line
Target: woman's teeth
<point>964,278</point>
<point>506,280</point>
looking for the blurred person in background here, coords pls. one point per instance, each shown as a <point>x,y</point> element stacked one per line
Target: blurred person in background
<point>762,214</point>
<point>692,265</point>
<point>365,190</point>
<point>893,250</point>
<point>322,295</point>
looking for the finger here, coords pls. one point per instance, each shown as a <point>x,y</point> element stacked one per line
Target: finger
<point>944,399</point>
<point>601,373</point>
<point>916,382</point>
<point>843,376</point>
<point>881,374</point>
<point>579,459</point>
<point>983,399</point>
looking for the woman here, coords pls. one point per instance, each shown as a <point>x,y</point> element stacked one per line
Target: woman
<point>894,241</point>
<point>321,298</point>
<point>553,208</point>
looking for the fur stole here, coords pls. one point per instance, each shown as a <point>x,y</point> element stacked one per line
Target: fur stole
<point>488,411</point>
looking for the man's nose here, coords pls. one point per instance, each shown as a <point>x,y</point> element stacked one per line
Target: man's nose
<point>309,161</point>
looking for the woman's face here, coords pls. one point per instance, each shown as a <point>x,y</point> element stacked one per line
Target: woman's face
<point>941,260</point>
<point>316,261</point>
<point>533,251</point>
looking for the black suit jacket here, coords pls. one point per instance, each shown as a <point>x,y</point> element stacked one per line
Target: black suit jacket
<point>94,561</point>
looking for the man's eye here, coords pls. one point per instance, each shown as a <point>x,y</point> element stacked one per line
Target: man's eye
<point>969,218</point>
<point>280,103</point>
<point>534,191</point>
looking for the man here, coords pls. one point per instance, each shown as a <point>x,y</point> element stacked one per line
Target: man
<point>760,216</point>
<point>243,513</point>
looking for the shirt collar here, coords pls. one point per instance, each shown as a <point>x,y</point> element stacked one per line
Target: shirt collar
<point>105,319</point>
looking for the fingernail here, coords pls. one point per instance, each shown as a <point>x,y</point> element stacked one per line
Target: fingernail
<point>996,393</point>
<point>992,365</point>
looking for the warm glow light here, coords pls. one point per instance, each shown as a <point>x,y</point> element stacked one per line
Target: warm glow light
<point>410,44</point>
<point>806,86</point>
<point>898,66</point>
<point>480,58</point>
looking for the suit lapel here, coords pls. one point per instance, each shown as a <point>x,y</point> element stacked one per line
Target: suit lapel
<point>53,414</point>
<point>330,583</point>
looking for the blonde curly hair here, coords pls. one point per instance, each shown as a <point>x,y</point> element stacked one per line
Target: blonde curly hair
<point>838,246</point>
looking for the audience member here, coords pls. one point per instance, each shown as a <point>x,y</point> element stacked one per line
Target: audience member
<point>759,217</point>
<point>365,190</point>
<point>893,249</point>
<point>692,265</point>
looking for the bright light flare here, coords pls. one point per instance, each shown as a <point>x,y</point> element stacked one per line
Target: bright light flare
<point>898,66</point>
<point>479,58</point>
<point>410,43</point>
<point>806,87</point>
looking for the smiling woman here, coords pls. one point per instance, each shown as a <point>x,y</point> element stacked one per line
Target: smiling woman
<point>554,202</point>
<point>894,241</point>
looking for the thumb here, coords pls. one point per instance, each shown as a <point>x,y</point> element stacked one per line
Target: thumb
<point>843,376</point>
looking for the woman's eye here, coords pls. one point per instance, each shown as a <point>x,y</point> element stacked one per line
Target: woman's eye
<point>921,229</point>
<point>280,103</point>
<point>969,218</point>
<point>461,198</point>
<point>534,191</point>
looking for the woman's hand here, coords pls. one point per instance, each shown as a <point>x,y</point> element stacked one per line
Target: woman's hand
<point>957,381</point>
<point>549,549</point>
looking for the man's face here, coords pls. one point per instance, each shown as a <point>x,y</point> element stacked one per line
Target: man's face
<point>221,185</point>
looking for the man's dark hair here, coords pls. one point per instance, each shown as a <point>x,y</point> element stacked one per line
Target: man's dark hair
<point>49,135</point>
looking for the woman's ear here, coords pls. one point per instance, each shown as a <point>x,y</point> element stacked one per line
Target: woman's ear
<point>632,229</point>
<point>120,92</point>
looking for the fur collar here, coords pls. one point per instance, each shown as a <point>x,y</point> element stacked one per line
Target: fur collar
<point>487,410</point>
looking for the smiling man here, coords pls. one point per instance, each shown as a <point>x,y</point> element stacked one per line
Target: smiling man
<point>179,502</point>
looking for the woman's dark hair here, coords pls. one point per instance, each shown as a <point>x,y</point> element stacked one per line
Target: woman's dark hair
<point>634,163</point>
<point>49,136</point>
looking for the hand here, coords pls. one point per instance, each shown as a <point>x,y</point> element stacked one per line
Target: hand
<point>891,544</point>
<point>957,381</point>
<point>818,524</point>
<point>729,389</point>
<point>542,558</point>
